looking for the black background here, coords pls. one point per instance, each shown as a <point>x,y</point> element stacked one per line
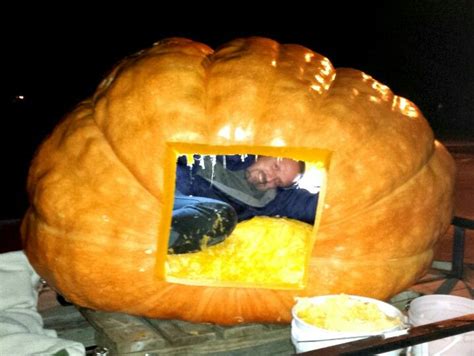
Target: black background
<point>54,58</point>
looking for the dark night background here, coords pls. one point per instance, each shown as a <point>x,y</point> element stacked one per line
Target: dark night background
<point>423,50</point>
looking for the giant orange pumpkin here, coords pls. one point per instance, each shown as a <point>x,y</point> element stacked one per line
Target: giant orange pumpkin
<point>101,186</point>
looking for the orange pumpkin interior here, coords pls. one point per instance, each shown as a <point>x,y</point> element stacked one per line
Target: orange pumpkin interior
<point>236,262</point>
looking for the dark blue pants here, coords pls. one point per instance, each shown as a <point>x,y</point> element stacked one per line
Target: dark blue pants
<point>198,220</point>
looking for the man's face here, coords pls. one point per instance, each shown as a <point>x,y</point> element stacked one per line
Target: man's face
<point>271,172</point>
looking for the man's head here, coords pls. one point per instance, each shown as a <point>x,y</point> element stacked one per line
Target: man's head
<point>270,172</point>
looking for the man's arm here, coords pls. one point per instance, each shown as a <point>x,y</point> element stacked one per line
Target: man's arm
<point>298,204</point>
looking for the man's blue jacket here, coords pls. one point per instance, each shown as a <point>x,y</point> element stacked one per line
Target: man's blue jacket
<point>293,202</point>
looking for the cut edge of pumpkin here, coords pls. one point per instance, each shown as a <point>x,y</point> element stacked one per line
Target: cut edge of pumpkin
<point>257,279</point>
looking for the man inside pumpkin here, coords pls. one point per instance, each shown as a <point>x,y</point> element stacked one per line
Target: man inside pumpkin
<point>213,193</point>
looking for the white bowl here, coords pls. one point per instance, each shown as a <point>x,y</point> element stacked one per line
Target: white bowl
<point>306,337</point>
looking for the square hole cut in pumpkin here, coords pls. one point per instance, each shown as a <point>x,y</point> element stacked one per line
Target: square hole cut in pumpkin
<point>261,251</point>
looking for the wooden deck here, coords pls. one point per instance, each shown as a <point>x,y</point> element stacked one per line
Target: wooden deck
<point>129,335</point>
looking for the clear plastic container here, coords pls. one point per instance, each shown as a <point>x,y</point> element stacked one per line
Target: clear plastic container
<point>432,308</point>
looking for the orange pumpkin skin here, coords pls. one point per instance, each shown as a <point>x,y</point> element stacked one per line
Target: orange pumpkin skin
<point>97,192</point>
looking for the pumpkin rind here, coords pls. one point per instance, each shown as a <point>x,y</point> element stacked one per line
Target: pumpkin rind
<point>97,191</point>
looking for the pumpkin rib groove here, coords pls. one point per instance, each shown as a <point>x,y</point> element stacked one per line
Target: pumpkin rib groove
<point>318,98</point>
<point>426,158</point>
<point>132,69</point>
<point>284,301</point>
<point>379,199</point>
<point>207,70</point>
<point>344,157</point>
<point>269,92</point>
<point>207,298</point>
<point>114,73</point>
<point>124,164</point>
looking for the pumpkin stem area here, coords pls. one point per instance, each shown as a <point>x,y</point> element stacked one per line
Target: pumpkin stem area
<point>260,251</point>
